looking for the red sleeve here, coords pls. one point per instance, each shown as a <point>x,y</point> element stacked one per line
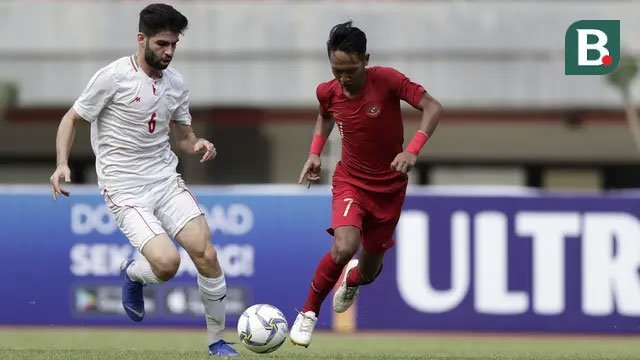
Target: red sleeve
<point>324,95</point>
<point>404,88</point>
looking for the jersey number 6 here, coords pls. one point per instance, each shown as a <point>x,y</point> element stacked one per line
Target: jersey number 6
<point>152,123</point>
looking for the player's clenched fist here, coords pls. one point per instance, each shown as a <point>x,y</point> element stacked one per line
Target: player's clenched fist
<point>62,172</point>
<point>404,162</point>
<point>311,169</point>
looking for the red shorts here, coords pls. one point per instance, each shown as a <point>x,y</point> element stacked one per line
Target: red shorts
<point>375,214</point>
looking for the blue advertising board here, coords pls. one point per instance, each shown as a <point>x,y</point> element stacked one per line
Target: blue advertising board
<point>524,262</point>
<point>61,259</point>
<point>464,261</point>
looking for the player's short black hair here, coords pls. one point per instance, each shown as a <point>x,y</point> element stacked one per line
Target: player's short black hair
<point>157,18</point>
<point>347,38</point>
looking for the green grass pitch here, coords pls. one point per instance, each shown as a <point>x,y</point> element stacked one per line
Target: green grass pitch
<point>62,343</point>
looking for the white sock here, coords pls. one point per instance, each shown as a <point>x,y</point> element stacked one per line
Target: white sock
<point>140,270</point>
<point>212,293</point>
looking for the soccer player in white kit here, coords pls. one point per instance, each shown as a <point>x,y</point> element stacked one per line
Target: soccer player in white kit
<point>132,104</point>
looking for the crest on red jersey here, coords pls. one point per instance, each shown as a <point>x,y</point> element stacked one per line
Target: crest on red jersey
<point>373,110</point>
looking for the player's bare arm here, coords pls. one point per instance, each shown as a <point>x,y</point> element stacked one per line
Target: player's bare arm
<point>311,168</point>
<point>189,143</point>
<point>431,110</point>
<point>64,140</point>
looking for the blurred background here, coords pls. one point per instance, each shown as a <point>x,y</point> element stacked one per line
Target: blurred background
<point>526,190</point>
<point>512,116</point>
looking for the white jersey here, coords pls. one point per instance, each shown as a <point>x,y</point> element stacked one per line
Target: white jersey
<point>129,114</point>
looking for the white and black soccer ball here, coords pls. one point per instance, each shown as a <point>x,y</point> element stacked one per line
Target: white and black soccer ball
<point>262,328</point>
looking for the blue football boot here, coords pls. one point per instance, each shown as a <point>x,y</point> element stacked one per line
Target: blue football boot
<point>222,348</point>
<point>132,299</point>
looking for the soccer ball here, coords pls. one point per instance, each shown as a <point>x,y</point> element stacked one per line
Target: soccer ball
<point>262,328</point>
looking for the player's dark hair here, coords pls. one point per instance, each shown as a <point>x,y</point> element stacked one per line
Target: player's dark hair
<point>347,38</point>
<point>156,18</point>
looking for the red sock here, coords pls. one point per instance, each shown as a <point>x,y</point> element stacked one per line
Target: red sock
<point>325,278</point>
<point>354,278</point>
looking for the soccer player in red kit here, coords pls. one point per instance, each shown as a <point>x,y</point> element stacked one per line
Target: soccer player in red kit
<point>370,181</point>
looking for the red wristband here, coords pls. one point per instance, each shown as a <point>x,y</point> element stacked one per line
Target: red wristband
<point>317,144</point>
<point>417,142</point>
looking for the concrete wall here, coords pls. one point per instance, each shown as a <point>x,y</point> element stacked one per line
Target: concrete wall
<point>272,53</point>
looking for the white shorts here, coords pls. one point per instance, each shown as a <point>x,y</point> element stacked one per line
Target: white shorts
<point>143,212</point>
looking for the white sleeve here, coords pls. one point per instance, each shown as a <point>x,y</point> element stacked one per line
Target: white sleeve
<point>182,115</point>
<point>96,95</point>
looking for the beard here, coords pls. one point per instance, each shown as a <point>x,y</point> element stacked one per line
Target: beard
<point>153,60</point>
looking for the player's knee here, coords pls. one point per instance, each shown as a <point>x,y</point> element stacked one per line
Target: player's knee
<point>210,255</point>
<point>167,267</point>
<point>343,250</point>
<point>204,252</point>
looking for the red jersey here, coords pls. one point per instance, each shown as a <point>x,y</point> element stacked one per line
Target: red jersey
<point>371,127</point>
